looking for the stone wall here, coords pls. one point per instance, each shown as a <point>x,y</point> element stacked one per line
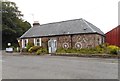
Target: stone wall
<point>44,41</point>
<point>86,41</point>
<point>31,40</point>
<point>79,41</point>
<point>64,41</point>
<point>73,41</point>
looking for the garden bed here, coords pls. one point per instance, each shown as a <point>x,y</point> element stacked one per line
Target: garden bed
<point>75,55</point>
<point>27,53</point>
<point>87,55</point>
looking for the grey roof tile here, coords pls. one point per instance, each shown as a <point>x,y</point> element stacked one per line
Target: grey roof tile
<point>64,27</point>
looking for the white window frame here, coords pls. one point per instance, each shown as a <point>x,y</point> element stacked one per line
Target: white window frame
<point>35,41</point>
<point>103,40</point>
<point>100,41</point>
<point>23,43</point>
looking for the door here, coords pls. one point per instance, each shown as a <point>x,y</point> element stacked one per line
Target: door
<point>52,45</point>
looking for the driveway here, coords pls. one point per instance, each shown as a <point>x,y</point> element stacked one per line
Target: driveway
<point>58,67</point>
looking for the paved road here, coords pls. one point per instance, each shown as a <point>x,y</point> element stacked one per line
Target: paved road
<point>58,67</point>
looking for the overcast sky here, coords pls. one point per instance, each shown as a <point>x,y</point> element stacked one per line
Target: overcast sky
<point>101,13</point>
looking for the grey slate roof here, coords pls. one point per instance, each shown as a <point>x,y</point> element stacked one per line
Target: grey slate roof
<point>76,26</point>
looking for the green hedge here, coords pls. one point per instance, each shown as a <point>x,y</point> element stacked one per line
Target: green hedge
<point>41,51</point>
<point>80,51</point>
<point>101,49</point>
<point>112,49</point>
<point>33,49</point>
<point>29,45</point>
<point>38,50</point>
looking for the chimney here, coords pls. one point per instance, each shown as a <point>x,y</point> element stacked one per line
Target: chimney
<point>36,23</point>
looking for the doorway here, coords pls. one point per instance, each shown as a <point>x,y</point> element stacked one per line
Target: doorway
<point>52,45</point>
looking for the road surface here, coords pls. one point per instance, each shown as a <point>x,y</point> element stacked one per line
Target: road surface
<point>58,67</point>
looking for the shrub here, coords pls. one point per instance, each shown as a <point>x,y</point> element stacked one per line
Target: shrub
<point>83,50</point>
<point>87,51</point>
<point>17,49</point>
<point>112,49</point>
<point>100,49</point>
<point>34,49</point>
<point>68,50</point>
<point>39,51</point>
<point>29,45</point>
<point>72,50</point>
<point>44,50</point>
<point>24,49</point>
<point>61,50</point>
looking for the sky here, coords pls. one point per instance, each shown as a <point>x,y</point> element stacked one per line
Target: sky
<point>102,13</point>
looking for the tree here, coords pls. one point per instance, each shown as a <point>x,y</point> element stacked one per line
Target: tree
<point>13,26</point>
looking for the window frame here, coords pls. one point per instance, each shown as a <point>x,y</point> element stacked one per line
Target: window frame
<point>36,42</point>
<point>24,43</point>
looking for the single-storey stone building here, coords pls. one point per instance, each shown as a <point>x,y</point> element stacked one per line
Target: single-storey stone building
<point>77,33</point>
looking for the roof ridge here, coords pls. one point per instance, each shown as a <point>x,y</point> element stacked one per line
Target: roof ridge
<point>26,32</point>
<point>62,21</point>
<point>88,25</point>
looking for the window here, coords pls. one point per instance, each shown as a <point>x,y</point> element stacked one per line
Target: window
<point>37,41</point>
<point>99,41</point>
<point>24,43</point>
<point>55,43</point>
<point>49,43</point>
<point>103,40</point>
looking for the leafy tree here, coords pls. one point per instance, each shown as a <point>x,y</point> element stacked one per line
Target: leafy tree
<point>13,26</point>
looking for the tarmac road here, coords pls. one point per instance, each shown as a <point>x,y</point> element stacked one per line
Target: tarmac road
<point>58,67</point>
